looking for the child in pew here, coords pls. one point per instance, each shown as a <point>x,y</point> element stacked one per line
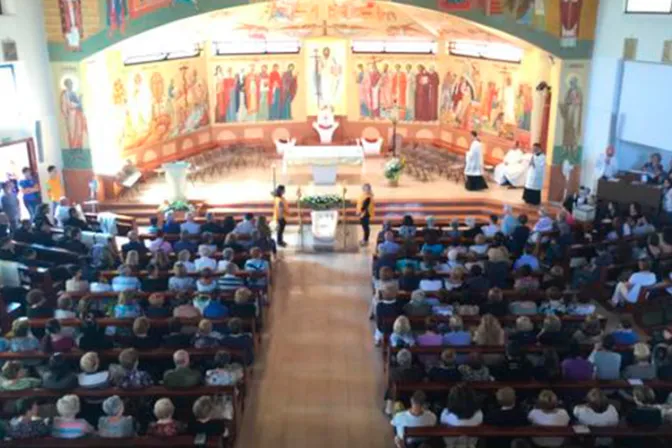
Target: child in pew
<point>165,425</point>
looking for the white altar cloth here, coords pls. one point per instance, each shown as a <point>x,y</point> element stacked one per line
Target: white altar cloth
<point>324,160</point>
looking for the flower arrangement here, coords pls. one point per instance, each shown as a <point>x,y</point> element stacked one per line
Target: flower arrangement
<point>176,206</point>
<point>394,168</point>
<point>321,202</point>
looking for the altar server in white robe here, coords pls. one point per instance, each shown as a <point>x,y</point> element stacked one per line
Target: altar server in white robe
<point>513,169</point>
<point>473,168</point>
<point>607,165</point>
<point>535,176</point>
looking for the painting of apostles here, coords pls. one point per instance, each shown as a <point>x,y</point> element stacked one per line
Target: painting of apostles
<point>254,93</point>
<point>411,92</point>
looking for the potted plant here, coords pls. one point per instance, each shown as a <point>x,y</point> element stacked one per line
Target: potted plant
<point>321,202</point>
<point>179,208</point>
<point>393,169</point>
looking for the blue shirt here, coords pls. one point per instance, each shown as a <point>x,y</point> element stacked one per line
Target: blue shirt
<point>434,249</point>
<point>527,259</point>
<point>179,246</point>
<point>30,197</point>
<point>122,283</point>
<point>171,227</point>
<point>388,248</point>
<point>607,364</point>
<point>230,282</point>
<point>509,223</point>
<point>215,310</point>
<point>457,338</point>
<point>625,337</point>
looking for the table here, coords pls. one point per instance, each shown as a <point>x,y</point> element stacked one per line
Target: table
<point>624,192</point>
<point>324,160</point>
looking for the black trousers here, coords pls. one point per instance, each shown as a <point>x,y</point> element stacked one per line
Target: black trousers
<point>365,221</point>
<point>281,230</point>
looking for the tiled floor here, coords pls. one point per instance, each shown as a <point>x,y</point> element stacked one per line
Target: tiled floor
<point>318,382</point>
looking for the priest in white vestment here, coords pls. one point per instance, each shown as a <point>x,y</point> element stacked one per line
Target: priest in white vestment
<point>607,165</point>
<point>535,177</point>
<point>513,169</point>
<point>473,167</point>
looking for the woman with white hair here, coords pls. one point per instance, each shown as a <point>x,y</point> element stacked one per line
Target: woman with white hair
<point>66,425</point>
<point>418,306</point>
<point>204,259</point>
<point>402,335</point>
<point>184,257</point>
<point>115,424</point>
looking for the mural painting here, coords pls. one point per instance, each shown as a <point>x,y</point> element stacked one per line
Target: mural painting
<point>325,75</point>
<point>454,5</point>
<point>409,89</point>
<point>72,111</point>
<point>487,97</point>
<point>570,13</point>
<point>71,23</point>
<point>571,115</point>
<point>137,8</point>
<point>254,91</point>
<point>160,102</point>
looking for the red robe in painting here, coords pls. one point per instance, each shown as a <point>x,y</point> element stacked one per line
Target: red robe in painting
<point>70,27</point>
<point>422,96</point>
<point>570,13</point>
<point>275,85</point>
<point>399,91</point>
<point>386,99</point>
<point>434,81</point>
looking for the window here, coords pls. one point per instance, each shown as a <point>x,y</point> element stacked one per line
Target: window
<point>145,57</point>
<point>10,98</point>
<point>486,50</point>
<point>648,6</point>
<point>244,47</point>
<point>394,47</point>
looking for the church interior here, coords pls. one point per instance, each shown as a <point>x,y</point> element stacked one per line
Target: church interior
<point>380,223</point>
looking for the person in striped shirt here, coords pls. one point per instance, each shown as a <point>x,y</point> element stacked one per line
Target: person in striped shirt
<point>66,425</point>
<point>256,264</point>
<point>230,281</point>
<point>180,281</point>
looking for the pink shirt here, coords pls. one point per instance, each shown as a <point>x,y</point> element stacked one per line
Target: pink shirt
<point>429,340</point>
<point>160,245</point>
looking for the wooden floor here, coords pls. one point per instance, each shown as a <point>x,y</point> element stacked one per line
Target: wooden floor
<point>318,382</point>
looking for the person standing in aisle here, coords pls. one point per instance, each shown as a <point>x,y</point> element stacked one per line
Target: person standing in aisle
<point>280,212</point>
<point>365,210</point>
<point>535,177</point>
<point>31,191</point>
<point>54,188</point>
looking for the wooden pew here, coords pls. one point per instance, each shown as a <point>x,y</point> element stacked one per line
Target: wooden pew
<point>185,441</point>
<point>485,431</point>
<point>160,353</point>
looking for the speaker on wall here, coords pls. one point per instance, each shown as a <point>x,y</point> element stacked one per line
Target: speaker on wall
<point>38,141</point>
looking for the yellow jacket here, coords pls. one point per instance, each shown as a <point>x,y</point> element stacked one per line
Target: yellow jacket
<point>280,203</point>
<point>363,207</point>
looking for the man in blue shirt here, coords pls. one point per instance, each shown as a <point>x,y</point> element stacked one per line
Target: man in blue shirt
<point>171,226</point>
<point>31,191</point>
<point>388,247</point>
<point>185,243</point>
<point>625,335</point>
<point>190,225</point>
<point>607,362</point>
<point>134,243</point>
<point>528,258</point>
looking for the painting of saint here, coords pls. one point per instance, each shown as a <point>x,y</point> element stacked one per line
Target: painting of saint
<point>73,114</point>
<point>288,92</point>
<point>386,101</point>
<point>363,86</point>
<point>117,11</point>
<point>570,13</point>
<point>446,92</point>
<point>231,96</point>
<point>399,82</point>
<point>433,112</point>
<point>328,73</point>
<point>325,65</point>
<point>221,99</point>
<point>509,101</point>
<point>374,91</point>
<point>571,111</point>
<point>524,107</point>
<point>251,86</point>
<point>410,92</point>
<point>71,23</point>
<point>264,92</point>
<point>274,88</point>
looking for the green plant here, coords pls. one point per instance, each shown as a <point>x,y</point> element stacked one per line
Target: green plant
<point>177,206</point>
<point>394,168</point>
<point>321,202</point>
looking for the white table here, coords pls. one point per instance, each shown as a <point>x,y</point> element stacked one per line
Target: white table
<point>324,160</point>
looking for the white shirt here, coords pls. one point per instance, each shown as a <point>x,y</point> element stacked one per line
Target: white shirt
<point>606,167</point>
<point>667,201</point>
<point>221,266</point>
<point>205,262</point>
<point>450,419</point>
<point>97,379</point>
<point>431,285</point>
<point>62,213</point>
<point>474,159</point>
<point>587,416</point>
<point>245,227</point>
<point>637,280</point>
<point>558,417</point>
<point>190,266</point>
<point>405,419</point>
<point>535,172</point>
<point>190,227</point>
<point>479,249</point>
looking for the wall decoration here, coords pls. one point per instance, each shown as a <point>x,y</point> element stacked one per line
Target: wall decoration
<point>160,102</point>
<point>454,5</point>
<point>360,10</point>
<point>117,10</point>
<point>254,91</point>
<point>72,111</point>
<point>522,10</point>
<point>571,112</point>
<point>485,96</point>
<point>570,13</point>
<point>71,23</point>
<point>325,75</point>
<point>387,87</point>
<point>9,52</point>
<point>137,8</point>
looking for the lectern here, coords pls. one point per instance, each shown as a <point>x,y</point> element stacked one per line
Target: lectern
<point>176,179</point>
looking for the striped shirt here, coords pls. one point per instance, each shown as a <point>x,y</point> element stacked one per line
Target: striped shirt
<point>230,282</point>
<point>70,428</point>
<point>181,284</point>
<point>257,265</point>
<point>123,283</point>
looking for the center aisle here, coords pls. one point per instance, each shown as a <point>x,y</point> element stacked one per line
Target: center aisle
<point>318,382</point>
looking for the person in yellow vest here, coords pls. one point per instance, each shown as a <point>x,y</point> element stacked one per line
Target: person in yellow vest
<point>54,188</point>
<point>365,210</point>
<point>280,212</point>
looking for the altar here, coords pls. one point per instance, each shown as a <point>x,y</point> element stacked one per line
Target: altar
<point>324,160</point>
